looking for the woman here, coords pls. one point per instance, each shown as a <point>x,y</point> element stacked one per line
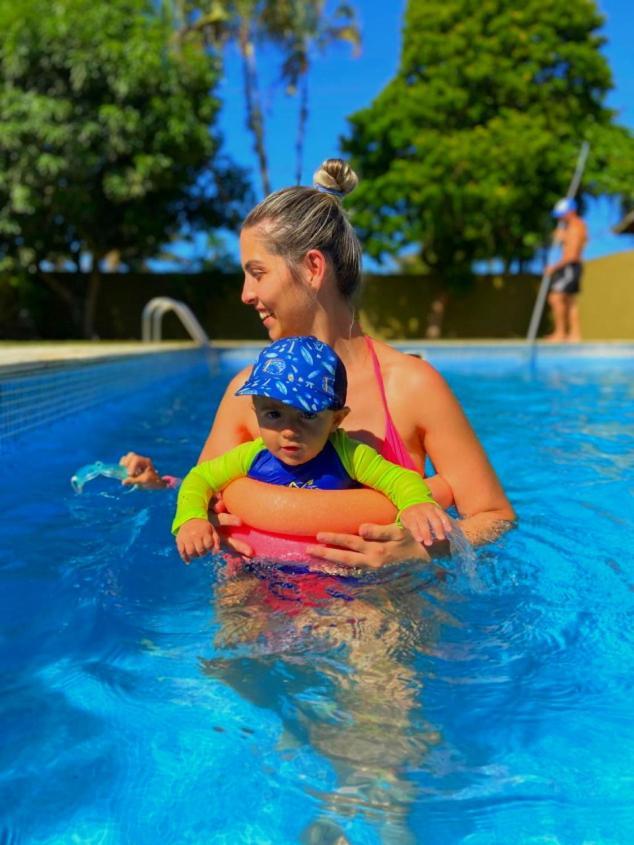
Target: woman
<point>302,270</point>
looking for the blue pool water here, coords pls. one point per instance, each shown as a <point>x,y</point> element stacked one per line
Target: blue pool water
<point>143,701</point>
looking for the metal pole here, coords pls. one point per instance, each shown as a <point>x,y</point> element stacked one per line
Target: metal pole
<point>538,309</point>
<point>581,165</point>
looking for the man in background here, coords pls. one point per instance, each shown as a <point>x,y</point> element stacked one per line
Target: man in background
<point>565,274</point>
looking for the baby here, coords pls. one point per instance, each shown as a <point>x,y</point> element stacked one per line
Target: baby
<point>299,390</point>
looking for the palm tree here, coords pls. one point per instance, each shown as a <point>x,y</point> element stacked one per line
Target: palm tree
<point>297,27</point>
<point>301,28</point>
<point>218,23</point>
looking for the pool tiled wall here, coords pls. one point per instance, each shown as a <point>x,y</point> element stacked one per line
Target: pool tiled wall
<point>39,396</point>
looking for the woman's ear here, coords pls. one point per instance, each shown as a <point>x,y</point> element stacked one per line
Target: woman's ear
<point>315,267</point>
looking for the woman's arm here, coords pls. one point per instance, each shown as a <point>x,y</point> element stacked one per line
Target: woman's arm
<point>234,422</point>
<point>464,474</point>
<point>440,490</point>
<point>459,459</point>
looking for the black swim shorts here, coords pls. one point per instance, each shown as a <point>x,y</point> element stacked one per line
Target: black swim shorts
<point>567,279</point>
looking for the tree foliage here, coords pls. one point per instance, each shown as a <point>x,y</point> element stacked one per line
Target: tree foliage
<point>467,148</point>
<point>105,146</point>
<point>612,163</point>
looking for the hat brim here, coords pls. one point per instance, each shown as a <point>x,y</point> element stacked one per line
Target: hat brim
<point>292,400</point>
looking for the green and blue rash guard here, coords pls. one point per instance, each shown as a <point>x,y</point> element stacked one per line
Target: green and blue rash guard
<point>355,462</point>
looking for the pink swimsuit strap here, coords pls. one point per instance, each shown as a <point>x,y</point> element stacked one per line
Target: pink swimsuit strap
<point>393,448</point>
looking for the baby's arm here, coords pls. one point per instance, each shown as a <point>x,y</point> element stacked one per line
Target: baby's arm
<point>418,512</point>
<point>195,536</point>
<point>426,522</point>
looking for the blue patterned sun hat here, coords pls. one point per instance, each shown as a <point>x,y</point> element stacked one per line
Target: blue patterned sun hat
<point>299,371</point>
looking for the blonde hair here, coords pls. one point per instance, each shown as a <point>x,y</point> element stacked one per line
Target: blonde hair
<point>296,220</point>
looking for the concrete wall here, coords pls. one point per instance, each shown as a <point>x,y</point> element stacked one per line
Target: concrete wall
<point>607,300</point>
<point>500,307</point>
<point>392,306</point>
<point>488,306</point>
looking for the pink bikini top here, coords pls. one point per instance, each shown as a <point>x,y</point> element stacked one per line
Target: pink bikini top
<point>393,448</point>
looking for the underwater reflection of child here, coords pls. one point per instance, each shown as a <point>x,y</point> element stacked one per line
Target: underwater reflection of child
<point>339,668</point>
<point>299,389</point>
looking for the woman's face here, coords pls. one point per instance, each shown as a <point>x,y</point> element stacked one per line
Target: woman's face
<point>284,304</point>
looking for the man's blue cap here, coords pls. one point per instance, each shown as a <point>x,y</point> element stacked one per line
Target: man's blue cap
<point>563,207</point>
<point>299,371</point>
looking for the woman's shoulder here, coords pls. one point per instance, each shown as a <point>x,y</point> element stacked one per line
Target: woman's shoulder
<point>418,395</point>
<point>397,365</point>
<point>232,404</point>
<point>239,379</point>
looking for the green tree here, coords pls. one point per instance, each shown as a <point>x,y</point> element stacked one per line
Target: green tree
<point>467,148</point>
<point>612,164</point>
<point>106,151</point>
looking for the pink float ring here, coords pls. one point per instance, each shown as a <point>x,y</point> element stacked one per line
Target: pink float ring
<point>268,544</point>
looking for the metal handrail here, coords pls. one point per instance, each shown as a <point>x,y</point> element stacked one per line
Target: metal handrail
<point>152,319</point>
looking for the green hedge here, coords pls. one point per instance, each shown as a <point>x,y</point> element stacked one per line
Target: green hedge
<point>391,306</point>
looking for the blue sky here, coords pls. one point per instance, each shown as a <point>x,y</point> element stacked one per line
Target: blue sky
<point>340,85</point>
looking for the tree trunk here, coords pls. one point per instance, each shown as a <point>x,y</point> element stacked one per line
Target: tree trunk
<point>90,303</point>
<point>60,290</point>
<point>255,117</point>
<point>301,128</point>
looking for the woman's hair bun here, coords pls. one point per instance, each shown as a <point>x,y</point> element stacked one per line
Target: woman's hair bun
<point>336,175</point>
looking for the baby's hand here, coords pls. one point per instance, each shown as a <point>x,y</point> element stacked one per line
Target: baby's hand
<point>195,538</point>
<point>426,523</point>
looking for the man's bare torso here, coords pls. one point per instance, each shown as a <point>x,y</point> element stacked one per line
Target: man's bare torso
<point>573,236</point>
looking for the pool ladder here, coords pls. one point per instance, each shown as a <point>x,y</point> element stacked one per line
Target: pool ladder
<point>152,320</point>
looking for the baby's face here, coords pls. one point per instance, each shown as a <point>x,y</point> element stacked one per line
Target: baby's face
<point>292,435</point>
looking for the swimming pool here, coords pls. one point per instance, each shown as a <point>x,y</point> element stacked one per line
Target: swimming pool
<point>147,701</point>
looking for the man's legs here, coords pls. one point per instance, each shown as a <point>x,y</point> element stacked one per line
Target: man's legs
<point>574,322</point>
<point>559,309</point>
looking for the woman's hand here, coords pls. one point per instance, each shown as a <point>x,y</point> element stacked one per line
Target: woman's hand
<point>220,518</point>
<point>142,472</point>
<point>373,547</point>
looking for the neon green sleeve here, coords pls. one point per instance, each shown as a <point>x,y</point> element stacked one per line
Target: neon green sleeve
<point>210,477</point>
<point>403,487</point>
